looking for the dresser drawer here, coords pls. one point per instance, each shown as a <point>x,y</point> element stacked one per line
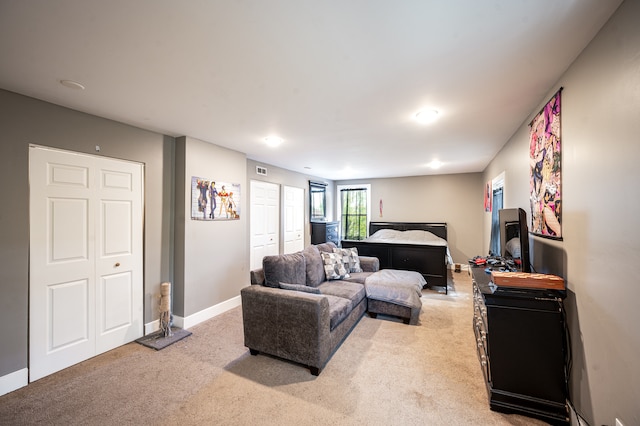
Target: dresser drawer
<point>322,232</point>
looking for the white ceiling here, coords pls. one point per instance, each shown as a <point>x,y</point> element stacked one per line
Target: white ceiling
<point>338,80</point>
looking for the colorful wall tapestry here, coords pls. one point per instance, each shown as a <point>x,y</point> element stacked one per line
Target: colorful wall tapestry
<point>213,200</point>
<point>487,197</point>
<point>545,167</point>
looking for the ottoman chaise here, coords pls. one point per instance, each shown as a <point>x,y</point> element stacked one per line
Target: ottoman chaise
<point>394,292</point>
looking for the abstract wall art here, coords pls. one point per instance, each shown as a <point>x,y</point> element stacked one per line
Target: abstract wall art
<point>545,183</point>
<point>487,197</point>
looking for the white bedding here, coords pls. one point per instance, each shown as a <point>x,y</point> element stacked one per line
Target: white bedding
<point>409,237</point>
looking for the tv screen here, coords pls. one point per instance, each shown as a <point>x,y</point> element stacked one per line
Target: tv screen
<point>514,237</point>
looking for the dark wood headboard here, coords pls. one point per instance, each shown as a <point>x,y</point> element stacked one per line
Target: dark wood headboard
<point>436,228</point>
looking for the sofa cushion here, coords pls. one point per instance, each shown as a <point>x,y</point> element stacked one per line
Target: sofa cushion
<point>257,276</point>
<point>314,266</point>
<point>358,277</point>
<point>354,292</point>
<point>349,258</point>
<point>369,263</point>
<point>333,267</point>
<point>326,247</point>
<point>339,308</point>
<point>300,287</point>
<point>284,268</point>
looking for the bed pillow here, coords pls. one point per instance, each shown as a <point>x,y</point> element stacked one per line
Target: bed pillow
<point>333,267</point>
<point>349,258</point>
<point>300,287</point>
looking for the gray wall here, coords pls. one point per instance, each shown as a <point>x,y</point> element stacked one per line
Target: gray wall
<point>600,250</point>
<point>27,121</point>
<point>455,199</point>
<point>212,258</point>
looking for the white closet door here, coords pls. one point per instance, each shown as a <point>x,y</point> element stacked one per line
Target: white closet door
<point>86,294</point>
<point>119,255</point>
<point>265,221</point>
<point>293,219</point>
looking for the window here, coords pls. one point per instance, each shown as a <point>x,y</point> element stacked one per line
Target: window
<point>354,211</point>
<point>497,190</point>
<point>318,200</point>
<point>495,223</point>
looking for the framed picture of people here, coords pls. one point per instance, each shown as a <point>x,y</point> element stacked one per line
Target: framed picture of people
<point>545,182</point>
<point>214,200</point>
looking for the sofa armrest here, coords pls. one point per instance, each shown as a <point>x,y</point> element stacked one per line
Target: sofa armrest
<point>257,276</point>
<point>369,263</point>
<point>290,324</point>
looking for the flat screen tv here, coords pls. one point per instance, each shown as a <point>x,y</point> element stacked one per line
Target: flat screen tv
<point>514,237</point>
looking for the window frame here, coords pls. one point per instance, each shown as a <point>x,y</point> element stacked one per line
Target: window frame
<point>339,188</point>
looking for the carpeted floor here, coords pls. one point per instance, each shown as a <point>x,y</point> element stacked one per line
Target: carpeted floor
<point>385,373</point>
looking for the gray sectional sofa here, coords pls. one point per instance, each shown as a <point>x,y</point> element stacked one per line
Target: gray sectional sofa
<point>301,306</point>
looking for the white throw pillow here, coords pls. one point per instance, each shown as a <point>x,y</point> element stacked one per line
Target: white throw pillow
<point>334,269</point>
<point>349,258</point>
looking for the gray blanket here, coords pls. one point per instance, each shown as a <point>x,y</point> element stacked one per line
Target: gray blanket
<point>402,288</point>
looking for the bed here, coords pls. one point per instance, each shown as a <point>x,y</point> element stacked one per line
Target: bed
<point>405,246</point>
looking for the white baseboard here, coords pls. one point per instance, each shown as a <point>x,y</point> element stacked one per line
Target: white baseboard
<point>151,327</point>
<point>13,381</point>
<point>205,314</point>
<point>463,266</point>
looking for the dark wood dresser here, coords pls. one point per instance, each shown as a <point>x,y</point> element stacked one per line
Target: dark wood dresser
<point>521,343</point>
<point>322,232</point>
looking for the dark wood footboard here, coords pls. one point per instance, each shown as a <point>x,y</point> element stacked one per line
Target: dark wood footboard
<point>430,261</point>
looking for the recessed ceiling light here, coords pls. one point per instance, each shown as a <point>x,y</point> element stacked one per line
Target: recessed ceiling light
<point>72,84</point>
<point>426,116</point>
<point>435,164</point>
<point>273,141</point>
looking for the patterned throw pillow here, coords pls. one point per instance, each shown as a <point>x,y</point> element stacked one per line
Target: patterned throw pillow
<point>334,269</point>
<point>349,258</point>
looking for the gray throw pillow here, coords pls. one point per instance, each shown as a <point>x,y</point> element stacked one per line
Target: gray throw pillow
<point>326,247</point>
<point>314,266</point>
<point>299,287</point>
<point>286,268</point>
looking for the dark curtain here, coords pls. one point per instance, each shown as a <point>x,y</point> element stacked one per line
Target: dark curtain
<point>494,248</point>
<point>353,203</point>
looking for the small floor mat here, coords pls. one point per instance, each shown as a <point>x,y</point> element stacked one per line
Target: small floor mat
<point>157,341</point>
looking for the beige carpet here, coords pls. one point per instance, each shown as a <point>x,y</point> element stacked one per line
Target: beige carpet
<point>385,373</point>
